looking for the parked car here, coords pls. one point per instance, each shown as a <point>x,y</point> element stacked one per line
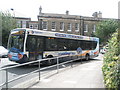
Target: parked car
<point>3,52</point>
<point>104,49</point>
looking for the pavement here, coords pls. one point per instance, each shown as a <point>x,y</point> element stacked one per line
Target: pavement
<point>86,75</point>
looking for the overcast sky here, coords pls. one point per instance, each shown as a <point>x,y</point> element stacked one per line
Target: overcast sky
<point>30,8</point>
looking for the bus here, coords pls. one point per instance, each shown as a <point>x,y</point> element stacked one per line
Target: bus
<point>26,45</point>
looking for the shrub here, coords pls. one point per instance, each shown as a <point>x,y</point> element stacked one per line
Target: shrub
<point>111,63</point>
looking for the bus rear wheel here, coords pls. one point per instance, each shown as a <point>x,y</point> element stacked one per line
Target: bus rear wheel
<point>51,61</point>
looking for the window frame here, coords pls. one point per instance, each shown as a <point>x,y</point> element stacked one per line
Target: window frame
<point>69,27</point>
<point>62,26</point>
<point>86,28</point>
<point>76,27</point>
<point>44,24</point>
<point>53,26</point>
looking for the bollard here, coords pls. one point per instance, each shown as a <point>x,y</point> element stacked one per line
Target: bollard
<point>39,70</point>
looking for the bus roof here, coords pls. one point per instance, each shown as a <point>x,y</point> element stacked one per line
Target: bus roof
<point>54,34</point>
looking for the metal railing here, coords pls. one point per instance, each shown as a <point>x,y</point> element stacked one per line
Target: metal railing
<point>39,67</point>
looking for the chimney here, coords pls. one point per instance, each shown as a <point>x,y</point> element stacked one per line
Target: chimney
<point>95,14</point>
<point>100,14</point>
<point>40,10</point>
<point>67,12</point>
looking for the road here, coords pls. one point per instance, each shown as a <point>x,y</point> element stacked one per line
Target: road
<point>18,71</point>
<point>14,72</point>
<point>89,70</point>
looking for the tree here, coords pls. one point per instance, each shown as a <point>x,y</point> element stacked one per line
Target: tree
<point>8,23</point>
<point>105,28</point>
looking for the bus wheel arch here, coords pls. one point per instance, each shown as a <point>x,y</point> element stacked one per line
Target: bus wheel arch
<point>51,61</point>
<point>25,57</point>
<point>87,56</point>
<point>49,56</point>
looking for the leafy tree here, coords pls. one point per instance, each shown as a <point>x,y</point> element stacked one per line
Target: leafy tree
<point>7,23</point>
<point>105,28</point>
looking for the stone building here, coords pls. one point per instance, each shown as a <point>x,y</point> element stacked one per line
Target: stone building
<point>65,23</point>
<point>22,21</point>
<point>59,23</point>
<point>32,24</point>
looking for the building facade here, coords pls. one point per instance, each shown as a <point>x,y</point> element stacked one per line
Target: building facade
<point>22,21</point>
<point>64,23</point>
<point>32,24</point>
<point>59,23</point>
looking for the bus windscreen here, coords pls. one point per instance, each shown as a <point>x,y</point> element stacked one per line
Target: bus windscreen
<point>17,40</point>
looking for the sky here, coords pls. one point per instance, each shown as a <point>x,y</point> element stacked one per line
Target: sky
<point>30,8</point>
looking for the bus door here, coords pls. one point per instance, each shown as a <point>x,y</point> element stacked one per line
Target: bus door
<point>35,47</point>
<point>39,48</point>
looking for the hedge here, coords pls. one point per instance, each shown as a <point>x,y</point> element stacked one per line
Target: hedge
<point>111,63</point>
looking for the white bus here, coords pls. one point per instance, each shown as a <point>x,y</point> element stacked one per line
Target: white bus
<point>26,45</point>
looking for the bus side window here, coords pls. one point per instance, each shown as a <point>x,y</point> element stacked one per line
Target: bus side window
<point>83,45</point>
<point>51,44</point>
<point>39,43</point>
<point>73,45</point>
<point>30,44</point>
<point>62,44</point>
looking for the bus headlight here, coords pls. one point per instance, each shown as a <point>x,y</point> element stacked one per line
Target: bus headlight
<point>20,56</point>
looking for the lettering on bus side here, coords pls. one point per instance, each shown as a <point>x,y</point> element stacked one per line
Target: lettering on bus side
<point>66,53</point>
<point>74,36</point>
<point>34,32</point>
<point>60,35</point>
<point>68,36</point>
